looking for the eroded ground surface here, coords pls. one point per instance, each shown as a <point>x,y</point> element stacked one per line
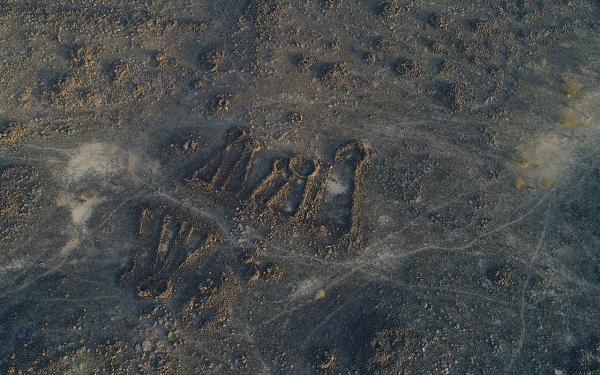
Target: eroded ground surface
<point>316,187</point>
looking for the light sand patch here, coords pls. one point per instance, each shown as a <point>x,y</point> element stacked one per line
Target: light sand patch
<point>305,288</point>
<point>385,220</point>
<point>71,245</point>
<point>100,162</point>
<point>588,107</point>
<point>94,173</point>
<point>81,208</point>
<point>81,211</point>
<point>15,265</point>
<point>546,158</point>
<point>107,160</point>
<point>335,186</point>
<point>94,158</point>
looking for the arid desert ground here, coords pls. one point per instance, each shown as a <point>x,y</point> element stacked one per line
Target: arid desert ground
<point>300,187</point>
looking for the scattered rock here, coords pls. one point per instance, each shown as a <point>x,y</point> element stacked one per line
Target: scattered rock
<point>407,68</point>
<point>500,275</point>
<point>385,45</point>
<point>333,74</point>
<point>325,360</point>
<point>389,10</point>
<point>304,62</point>
<point>160,56</point>
<point>331,4</point>
<point>335,45</point>
<point>117,70</point>
<point>264,12</point>
<point>212,58</point>
<point>82,57</point>
<point>173,62</point>
<point>296,118</point>
<point>273,273</point>
<point>370,58</point>
<point>58,90</point>
<point>11,132</point>
<point>446,66</point>
<point>393,351</point>
<point>438,48</point>
<point>480,26</point>
<point>438,21</point>
<point>19,188</point>
<point>221,103</point>
<point>453,95</point>
<point>585,358</point>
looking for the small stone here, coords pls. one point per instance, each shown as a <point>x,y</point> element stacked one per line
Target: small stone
<point>296,118</point>
<point>408,68</point>
<point>221,103</point>
<point>304,62</point>
<point>370,58</point>
<point>389,10</point>
<point>333,74</point>
<point>320,295</point>
<point>212,58</point>
<point>438,21</point>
